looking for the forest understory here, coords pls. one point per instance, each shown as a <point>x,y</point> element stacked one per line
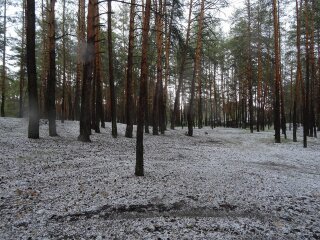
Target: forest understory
<point>219,184</point>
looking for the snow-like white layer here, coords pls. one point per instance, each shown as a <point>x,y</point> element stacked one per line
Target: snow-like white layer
<point>219,184</point>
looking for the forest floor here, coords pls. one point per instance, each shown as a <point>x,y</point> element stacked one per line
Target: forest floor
<point>219,184</point>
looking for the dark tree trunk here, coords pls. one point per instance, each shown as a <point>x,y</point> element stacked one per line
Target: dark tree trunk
<point>63,102</point>
<point>307,80</point>
<point>51,85</point>
<point>85,116</point>
<point>33,128</point>
<point>139,169</point>
<point>277,75</point>
<point>81,43</point>
<point>129,103</point>
<point>111,77</point>
<point>158,94</point>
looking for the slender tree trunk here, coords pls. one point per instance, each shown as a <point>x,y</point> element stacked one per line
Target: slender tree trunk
<point>3,82</point>
<point>249,69</point>
<point>181,69</point>
<point>139,169</point>
<point>307,79</point>
<point>97,75</point>
<point>22,63</point>
<point>198,65</point>
<point>298,84</point>
<point>129,103</point>
<point>158,95</point>
<point>63,61</point>
<point>51,85</point>
<point>196,72</point>
<point>277,75</point>
<point>85,116</point>
<point>33,128</point>
<point>111,76</point>
<point>81,43</point>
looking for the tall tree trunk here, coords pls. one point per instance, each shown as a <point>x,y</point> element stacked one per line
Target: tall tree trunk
<point>111,76</point>
<point>3,82</point>
<point>298,84</point>
<point>158,94</point>
<point>139,168</point>
<point>307,79</point>
<point>81,43</point>
<point>63,61</point>
<point>277,74</point>
<point>198,65</point>
<point>129,97</point>
<point>22,62</point>
<point>85,115</point>
<point>33,128</point>
<point>196,72</point>
<point>51,85</point>
<point>249,69</point>
<point>181,69</point>
<point>97,75</point>
<point>44,59</point>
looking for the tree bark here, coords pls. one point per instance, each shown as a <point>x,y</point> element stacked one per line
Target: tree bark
<point>81,43</point>
<point>51,85</point>
<point>33,127</point>
<point>129,99</point>
<point>139,169</point>
<point>277,74</point>
<point>85,115</point>
<point>111,76</point>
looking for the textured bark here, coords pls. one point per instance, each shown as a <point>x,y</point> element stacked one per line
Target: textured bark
<point>111,76</point>
<point>97,75</point>
<point>85,115</point>
<point>196,72</point>
<point>277,75</point>
<point>158,94</point>
<point>129,96</point>
<point>81,44</point>
<point>51,85</point>
<point>139,168</point>
<point>33,128</point>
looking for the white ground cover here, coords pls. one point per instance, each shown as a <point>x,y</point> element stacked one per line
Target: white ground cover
<point>219,184</point>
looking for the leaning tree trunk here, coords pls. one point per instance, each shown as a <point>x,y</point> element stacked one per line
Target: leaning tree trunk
<point>139,169</point>
<point>33,128</point>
